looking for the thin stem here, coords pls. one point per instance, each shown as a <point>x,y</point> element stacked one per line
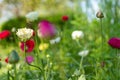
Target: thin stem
<point>27,62</point>
<point>117,63</point>
<point>81,65</point>
<point>8,76</point>
<point>101,35</point>
<point>15,71</point>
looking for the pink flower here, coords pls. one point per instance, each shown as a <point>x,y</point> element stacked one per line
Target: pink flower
<point>4,34</point>
<point>65,18</point>
<point>46,30</point>
<point>30,44</point>
<point>29,59</point>
<point>114,42</point>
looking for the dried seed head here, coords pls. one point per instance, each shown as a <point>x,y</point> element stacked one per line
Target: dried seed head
<point>99,14</point>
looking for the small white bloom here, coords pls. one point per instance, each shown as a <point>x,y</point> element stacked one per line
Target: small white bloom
<point>56,40</point>
<point>82,77</point>
<point>83,53</point>
<point>13,29</point>
<point>32,16</point>
<point>24,33</point>
<point>77,35</point>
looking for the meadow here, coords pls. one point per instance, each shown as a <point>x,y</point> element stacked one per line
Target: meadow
<point>60,47</point>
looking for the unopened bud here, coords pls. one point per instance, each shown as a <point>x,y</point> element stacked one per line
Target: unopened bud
<point>99,14</point>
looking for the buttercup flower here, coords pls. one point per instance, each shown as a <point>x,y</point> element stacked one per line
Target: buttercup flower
<point>29,44</point>
<point>32,16</point>
<point>65,18</point>
<point>77,35</point>
<point>114,42</point>
<point>46,30</point>
<point>83,53</point>
<point>56,40</point>
<point>24,33</point>
<point>43,46</point>
<point>29,59</point>
<point>4,34</point>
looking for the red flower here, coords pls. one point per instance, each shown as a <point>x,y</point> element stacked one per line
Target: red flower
<point>29,45</point>
<point>65,18</point>
<point>33,33</point>
<point>4,34</point>
<point>6,60</point>
<point>114,42</point>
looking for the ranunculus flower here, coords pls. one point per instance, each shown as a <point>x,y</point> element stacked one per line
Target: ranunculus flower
<point>29,59</point>
<point>4,34</point>
<point>56,40</point>
<point>83,53</point>
<point>65,18</point>
<point>24,33</point>
<point>32,16</point>
<point>43,46</point>
<point>114,42</point>
<point>29,44</point>
<point>6,60</point>
<point>46,30</point>
<point>77,34</point>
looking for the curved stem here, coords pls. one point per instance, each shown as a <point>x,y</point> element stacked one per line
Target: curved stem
<point>27,62</point>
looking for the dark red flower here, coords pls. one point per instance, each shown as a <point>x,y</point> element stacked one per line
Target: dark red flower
<point>65,18</point>
<point>33,33</point>
<point>4,34</point>
<point>30,44</point>
<point>114,42</point>
<point>6,60</point>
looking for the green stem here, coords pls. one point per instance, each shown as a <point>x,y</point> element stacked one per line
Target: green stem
<point>81,65</point>
<point>27,62</point>
<point>15,71</point>
<point>101,35</point>
<point>117,64</point>
<point>8,76</point>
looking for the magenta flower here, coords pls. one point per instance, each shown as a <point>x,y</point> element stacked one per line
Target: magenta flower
<point>114,42</point>
<point>46,30</point>
<point>29,59</point>
<point>4,34</point>
<point>30,44</point>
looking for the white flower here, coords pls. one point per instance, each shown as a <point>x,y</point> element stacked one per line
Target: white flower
<point>82,77</point>
<point>83,53</point>
<point>32,16</point>
<point>13,29</point>
<point>24,33</point>
<point>77,35</point>
<point>56,40</point>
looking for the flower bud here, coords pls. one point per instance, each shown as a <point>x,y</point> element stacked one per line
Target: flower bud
<point>13,57</point>
<point>99,14</point>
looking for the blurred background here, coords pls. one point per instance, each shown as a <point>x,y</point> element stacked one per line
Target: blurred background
<point>82,16</point>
